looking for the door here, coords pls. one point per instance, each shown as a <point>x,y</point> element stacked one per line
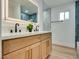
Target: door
<point>77,28</point>
<point>35,51</point>
<point>19,54</point>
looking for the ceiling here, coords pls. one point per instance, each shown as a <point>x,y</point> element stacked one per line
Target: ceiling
<point>52,3</point>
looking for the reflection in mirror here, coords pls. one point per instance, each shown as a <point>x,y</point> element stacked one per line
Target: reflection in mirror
<point>22,9</point>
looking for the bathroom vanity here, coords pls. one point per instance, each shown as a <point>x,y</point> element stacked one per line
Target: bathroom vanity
<point>30,46</point>
<point>23,44</point>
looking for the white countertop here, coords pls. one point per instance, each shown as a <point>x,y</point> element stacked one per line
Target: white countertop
<point>17,35</point>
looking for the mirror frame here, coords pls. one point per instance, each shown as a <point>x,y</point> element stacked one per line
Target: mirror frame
<point>14,19</point>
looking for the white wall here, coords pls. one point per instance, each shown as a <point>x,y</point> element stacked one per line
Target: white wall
<point>0,18</point>
<point>47,19</point>
<point>0,31</point>
<point>63,33</point>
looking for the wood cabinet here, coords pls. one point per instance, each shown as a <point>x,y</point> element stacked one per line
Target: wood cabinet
<point>35,51</point>
<point>33,47</point>
<point>31,52</point>
<point>19,54</point>
<point>46,48</point>
<point>18,43</point>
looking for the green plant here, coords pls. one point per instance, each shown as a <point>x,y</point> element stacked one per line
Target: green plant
<point>30,27</point>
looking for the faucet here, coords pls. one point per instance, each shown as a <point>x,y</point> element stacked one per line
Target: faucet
<point>16,25</point>
<point>37,28</point>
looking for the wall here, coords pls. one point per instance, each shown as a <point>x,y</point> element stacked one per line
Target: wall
<point>8,25</point>
<point>47,19</point>
<point>0,30</point>
<point>0,18</point>
<point>63,32</point>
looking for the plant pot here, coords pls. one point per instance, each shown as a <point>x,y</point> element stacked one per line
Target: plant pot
<point>30,30</point>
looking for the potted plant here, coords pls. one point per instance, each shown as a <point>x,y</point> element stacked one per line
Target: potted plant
<point>30,27</point>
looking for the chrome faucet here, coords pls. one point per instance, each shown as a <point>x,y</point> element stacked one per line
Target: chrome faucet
<point>37,28</point>
<point>16,25</point>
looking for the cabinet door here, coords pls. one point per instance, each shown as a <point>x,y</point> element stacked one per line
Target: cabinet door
<point>44,48</point>
<point>35,51</point>
<point>19,54</point>
<point>48,46</point>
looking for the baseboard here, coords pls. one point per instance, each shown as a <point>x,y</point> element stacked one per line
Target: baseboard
<point>63,46</point>
<point>66,44</point>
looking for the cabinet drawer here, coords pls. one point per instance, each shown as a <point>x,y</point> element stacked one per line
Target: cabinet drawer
<point>18,43</point>
<point>45,36</point>
<point>19,54</point>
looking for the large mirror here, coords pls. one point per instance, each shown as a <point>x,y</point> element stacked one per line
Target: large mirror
<point>22,10</point>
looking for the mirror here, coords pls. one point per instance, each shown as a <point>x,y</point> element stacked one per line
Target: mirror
<point>22,9</point>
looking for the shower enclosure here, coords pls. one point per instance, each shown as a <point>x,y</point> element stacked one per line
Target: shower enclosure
<point>77,27</point>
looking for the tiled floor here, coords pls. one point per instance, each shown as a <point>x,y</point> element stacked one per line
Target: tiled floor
<point>62,53</point>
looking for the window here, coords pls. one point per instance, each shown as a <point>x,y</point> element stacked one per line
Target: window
<point>64,16</point>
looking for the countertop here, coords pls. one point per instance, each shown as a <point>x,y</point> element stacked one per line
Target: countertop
<point>18,35</point>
